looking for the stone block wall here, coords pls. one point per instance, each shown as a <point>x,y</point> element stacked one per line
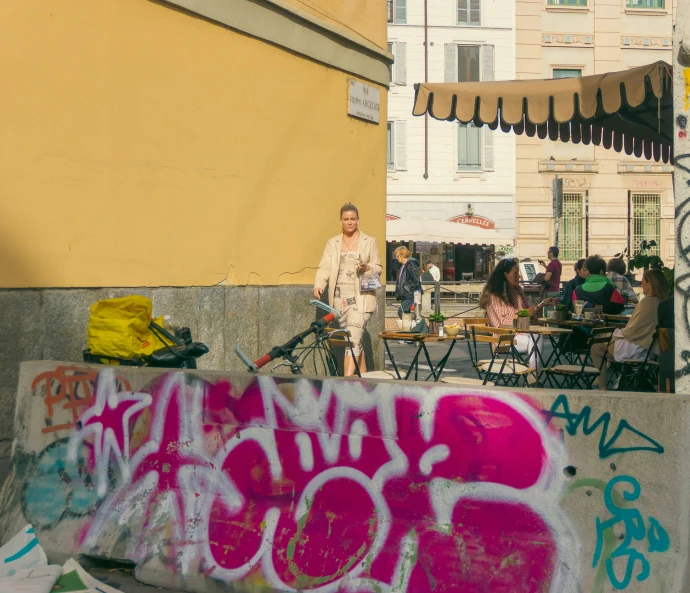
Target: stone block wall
<point>51,325</point>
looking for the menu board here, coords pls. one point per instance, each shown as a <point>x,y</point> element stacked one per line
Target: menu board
<point>529,271</point>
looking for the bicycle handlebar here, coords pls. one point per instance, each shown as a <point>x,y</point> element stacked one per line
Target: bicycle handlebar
<point>289,346</point>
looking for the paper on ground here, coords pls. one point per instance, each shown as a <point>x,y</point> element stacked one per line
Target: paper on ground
<point>21,553</point>
<point>74,578</point>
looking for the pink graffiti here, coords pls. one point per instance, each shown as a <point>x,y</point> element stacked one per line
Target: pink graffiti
<point>334,486</point>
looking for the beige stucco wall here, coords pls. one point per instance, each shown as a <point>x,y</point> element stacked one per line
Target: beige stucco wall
<point>597,43</point>
<point>144,146</point>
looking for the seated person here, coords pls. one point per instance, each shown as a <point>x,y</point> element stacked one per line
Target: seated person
<point>598,289</point>
<point>503,297</point>
<point>633,341</point>
<point>581,274</point>
<point>615,271</point>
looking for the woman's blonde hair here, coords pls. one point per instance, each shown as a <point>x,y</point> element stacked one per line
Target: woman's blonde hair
<point>349,207</point>
<point>658,281</point>
<point>402,251</point>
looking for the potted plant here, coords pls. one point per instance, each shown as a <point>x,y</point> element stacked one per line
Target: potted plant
<point>434,320</point>
<point>523,319</point>
<point>560,313</point>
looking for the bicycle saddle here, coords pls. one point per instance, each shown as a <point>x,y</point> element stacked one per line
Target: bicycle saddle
<point>174,356</point>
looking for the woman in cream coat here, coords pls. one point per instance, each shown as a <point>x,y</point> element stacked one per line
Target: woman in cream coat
<point>345,258</point>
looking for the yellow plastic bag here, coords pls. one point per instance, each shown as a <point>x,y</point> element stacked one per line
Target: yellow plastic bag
<point>120,328</point>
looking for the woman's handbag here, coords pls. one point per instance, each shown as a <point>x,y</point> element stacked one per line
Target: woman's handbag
<point>369,282</point>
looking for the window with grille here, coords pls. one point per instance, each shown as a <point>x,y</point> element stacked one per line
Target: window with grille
<point>469,12</point>
<point>570,228</point>
<point>645,220</point>
<point>655,4</point>
<point>567,2</point>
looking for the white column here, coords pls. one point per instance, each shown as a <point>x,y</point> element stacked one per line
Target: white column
<point>681,180</point>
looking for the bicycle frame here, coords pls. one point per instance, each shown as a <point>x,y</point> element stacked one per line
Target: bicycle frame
<point>295,362</point>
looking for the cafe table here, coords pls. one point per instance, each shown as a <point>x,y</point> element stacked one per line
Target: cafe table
<point>420,341</point>
<point>553,334</point>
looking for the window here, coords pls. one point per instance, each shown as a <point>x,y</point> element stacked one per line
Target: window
<point>469,12</point>
<point>567,73</point>
<point>469,147</point>
<point>570,228</point>
<point>645,220</point>
<point>397,149</point>
<point>399,67</point>
<point>653,4</point>
<point>397,11</point>
<point>567,2</point>
<point>391,147</point>
<point>468,63</point>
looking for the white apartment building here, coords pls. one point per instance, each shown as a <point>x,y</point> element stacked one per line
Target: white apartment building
<point>445,170</point>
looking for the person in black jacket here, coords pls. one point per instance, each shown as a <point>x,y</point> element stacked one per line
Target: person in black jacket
<point>581,274</point>
<point>408,280</point>
<point>667,357</point>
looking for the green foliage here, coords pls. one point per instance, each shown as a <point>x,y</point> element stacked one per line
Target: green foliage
<point>561,307</point>
<point>437,317</point>
<point>524,313</point>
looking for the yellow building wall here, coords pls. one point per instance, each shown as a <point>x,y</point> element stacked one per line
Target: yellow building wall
<point>366,18</point>
<point>143,146</point>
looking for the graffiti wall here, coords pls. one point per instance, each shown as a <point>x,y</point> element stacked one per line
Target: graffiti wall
<point>215,482</point>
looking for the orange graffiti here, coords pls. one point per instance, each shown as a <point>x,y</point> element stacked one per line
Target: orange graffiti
<point>72,385</point>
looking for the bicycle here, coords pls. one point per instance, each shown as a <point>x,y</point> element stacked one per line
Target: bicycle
<point>295,356</point>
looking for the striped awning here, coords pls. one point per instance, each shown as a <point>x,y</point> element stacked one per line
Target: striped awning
<point>630,111</point>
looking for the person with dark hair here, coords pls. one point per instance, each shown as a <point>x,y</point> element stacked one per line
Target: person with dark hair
<point>346,257</point>
<point>633,341</point>
<point>615,272</point>
<point>551,286</point>
<point>503,297</point>
<point>581,274</point>
<point>598,289</point>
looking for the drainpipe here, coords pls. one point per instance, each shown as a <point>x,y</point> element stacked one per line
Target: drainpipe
<point>426,79</point>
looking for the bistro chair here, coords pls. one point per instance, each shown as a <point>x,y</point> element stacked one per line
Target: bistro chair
<point>466,381</point>
<point>503,367</point>
<point>340,338</point>
<point>643,374</point>
<point>582,375</point>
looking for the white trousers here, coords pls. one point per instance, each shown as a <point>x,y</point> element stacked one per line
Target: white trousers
<point>524,343</point>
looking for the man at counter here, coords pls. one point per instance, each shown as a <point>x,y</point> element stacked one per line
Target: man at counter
<point>552,278</point>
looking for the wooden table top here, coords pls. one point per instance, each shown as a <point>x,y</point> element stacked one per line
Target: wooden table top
<point>539,329</point>
<point>410,337</point>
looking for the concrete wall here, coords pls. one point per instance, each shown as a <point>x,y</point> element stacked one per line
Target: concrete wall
<point>51,325</point>
<point>217,482</point>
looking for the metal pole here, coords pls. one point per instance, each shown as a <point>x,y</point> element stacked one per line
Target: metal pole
<point>437,297</point>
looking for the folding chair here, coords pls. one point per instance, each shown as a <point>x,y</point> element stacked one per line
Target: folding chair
<point>504,367</point>
<point>340,338</point>
<point>641,375</point>
<point>471,321</point>
<point>582,376</point>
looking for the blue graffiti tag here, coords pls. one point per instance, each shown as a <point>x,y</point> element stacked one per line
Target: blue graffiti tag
<point>634,530</point>
<point>606,447</point>
<point>56,488</point>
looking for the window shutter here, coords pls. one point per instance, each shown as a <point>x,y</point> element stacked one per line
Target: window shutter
<point>488,134</point>
<point>451,62</point>
<point>463,12</point>
<point>401,11</point>
<point>400,146</point>
<point>400,65</point>
<point>488,149</point>
<point>475,12</point>
<point>488,63</point>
